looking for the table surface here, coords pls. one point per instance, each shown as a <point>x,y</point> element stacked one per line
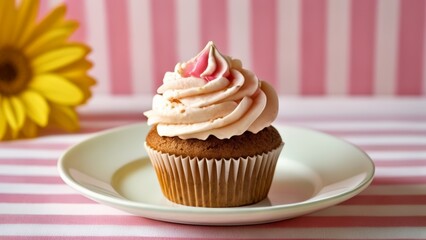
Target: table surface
<point>36,204</point>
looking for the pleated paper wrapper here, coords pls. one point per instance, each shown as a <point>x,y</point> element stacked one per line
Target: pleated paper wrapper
<point>214,182</point>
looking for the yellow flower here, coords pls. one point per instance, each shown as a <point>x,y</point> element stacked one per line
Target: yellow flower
<point>43,77</point>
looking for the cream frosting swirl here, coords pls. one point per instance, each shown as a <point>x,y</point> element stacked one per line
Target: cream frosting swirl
<point>212,94</point>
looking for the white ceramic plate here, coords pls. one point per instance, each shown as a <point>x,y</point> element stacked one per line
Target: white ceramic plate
<point>314,171</point>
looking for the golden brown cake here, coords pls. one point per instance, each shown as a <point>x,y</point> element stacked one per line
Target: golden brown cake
<point>245,145</point>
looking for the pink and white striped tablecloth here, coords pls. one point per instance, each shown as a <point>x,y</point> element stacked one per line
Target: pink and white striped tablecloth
<point>36,204</point>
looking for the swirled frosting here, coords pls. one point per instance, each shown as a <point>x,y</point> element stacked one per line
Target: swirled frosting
<point>212,94</point>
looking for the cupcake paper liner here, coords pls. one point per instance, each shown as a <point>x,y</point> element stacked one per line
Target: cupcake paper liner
<point>205,182</point>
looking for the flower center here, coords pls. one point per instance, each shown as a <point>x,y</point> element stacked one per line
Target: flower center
<point>15,71</point>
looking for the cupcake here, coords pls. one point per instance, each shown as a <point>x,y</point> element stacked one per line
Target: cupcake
<point>211,142</point>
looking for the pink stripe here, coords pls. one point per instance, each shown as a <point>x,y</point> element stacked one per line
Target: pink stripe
<point>313,45</point>
<point>75,219</point>
<point>90,129</point>
<point>75,11</point>
<point>102,128</point>
<point>164,37</point>
<point>119,55</point>
<point>310,222</point>
<point>154,238</point>
<point>27,162</point>
<point>214,24</point>
<point>303,222</point>
<point>71,198</point>
<point>387,200</point>
<point>110,116</point>
<point>384,132</point>
<point>393,148</point>
<point>264,35</point>
<point>410,60</point>
<point>99,237</point>
<point>43,198</point>
<point>30,179</point>
<point>358,117</point>
<point>400,163</point>
<point>83,129</point>
<point>399,180</point>
<point>363,28</point>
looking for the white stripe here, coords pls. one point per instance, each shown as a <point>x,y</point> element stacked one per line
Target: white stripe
<point>400,172</point>
<point>337,46</point>
<point>289,46</point>
<point>119,104</point>
<point>63,139</point>
<point>29,153</point>
<point>386,47</point>
<point>392,140</point>
<point>376,210</point>
<point>106,123</point>
<point>13,170</point>
<point>140,45</point>
<point>58,209</point>
<point>183,231</point>
<point>239,31</point>
<point>397,155</point>
<point>365,125</point>
<point>100,209</point>
<point>188,28</point>
<point>27,188</point>
<point>98,39</point>
<point>399,190</point>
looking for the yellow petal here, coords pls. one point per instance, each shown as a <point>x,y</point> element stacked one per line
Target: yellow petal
<point>58,58</point>
<point>7,21</point>
<point>82,65</point>
<point>47,40</point>
<point>13,134</point>
<point>14,111</point>
<point>49,22</point>
<point>64,117</point>
<point>3,123</point>
<point>57,89</point>
<point>80,78</point>
<point>27,13</point>
<point>30,129</point>
<point>5,7</point>
<point>36,106</point>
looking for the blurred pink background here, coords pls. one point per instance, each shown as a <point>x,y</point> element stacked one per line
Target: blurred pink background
<point>307,47</point>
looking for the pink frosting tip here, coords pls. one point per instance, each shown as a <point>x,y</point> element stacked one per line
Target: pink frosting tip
<point>208,64</point>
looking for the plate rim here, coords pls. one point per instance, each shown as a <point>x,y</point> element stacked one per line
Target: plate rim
<point>114,201</point>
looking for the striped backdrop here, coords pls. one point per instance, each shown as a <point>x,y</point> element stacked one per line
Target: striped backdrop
<point>307,47</point>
